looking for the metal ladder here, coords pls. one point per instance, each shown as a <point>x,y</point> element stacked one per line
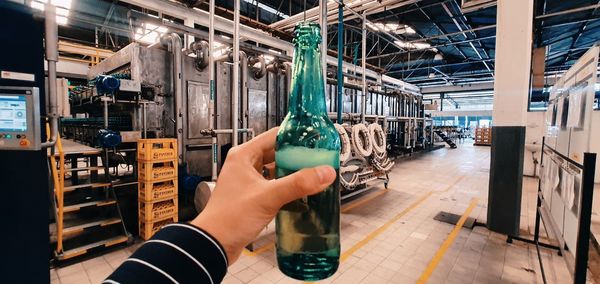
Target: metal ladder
<point>87,214</point>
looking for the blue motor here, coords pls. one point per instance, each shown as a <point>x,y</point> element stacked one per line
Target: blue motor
<point>108,138</point>
<point>107,84</point>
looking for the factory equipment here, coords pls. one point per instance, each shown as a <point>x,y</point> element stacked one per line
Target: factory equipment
<point>19,118</point>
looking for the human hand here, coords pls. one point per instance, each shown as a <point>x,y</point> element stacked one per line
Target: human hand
<point>244,202</point>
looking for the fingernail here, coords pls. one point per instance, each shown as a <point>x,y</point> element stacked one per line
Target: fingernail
<point>324,173</point>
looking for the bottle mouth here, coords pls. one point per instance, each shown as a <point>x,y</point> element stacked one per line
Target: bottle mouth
<point>307,34</point>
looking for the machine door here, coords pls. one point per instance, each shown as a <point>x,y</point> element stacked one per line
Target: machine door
<point>197,109</point>
<point>257,110</point>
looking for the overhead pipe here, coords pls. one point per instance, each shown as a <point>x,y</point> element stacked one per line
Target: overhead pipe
<point>173,40</point>
<point>51,29</point>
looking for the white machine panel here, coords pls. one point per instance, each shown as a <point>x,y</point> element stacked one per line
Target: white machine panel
<point>19,118</point>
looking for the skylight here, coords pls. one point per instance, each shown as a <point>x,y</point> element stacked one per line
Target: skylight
<point>62,9</point>
<point>149,33</point>
<point>267,8</point>
<point>391,27</point>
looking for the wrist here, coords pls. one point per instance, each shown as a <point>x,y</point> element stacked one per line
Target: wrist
<point>216,232</point>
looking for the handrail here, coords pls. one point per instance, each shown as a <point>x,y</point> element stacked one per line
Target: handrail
<point>58,177</point>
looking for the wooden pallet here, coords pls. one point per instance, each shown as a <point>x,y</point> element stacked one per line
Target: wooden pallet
<point>157,190</point>
<point>160,149</point>
<point>159,209</point>
<point>157,170</point>
<point>148,229</point>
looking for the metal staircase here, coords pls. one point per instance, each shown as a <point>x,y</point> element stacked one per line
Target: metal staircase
<point>445,138</point>
<point>86,209</point>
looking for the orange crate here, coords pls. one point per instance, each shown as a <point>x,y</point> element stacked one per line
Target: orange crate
<point>157,210</point>
<point>156,190</point>
<point>148,229</point>
<point>154,171</point>
<point>157,149</point>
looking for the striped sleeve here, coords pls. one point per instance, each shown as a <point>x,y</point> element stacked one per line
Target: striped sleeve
<point>178,253</point>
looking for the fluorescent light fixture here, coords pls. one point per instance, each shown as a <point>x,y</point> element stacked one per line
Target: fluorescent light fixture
<point>274,51</point>
<point>416,45</point>
<point>267,8</point>
<point>225,37</point>
<point>62,8</point>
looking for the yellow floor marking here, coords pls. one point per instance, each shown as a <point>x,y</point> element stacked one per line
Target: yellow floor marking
<point>380,230</point>
<point>364,200</point>
<point>454,183</point>
<point>373,234</point>
<point>447,243</point>
<point>344,210</point>
<point>259,250</point>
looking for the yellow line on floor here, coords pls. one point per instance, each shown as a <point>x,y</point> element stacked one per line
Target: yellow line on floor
<point>364,200</point>
<point>447,243</point>
<point>381,229</point>
<point>454,183</point>
<point>259,250</point>
<point>344,210</point>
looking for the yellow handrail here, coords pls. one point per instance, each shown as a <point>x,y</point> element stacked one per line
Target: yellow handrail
<point>59,185</point>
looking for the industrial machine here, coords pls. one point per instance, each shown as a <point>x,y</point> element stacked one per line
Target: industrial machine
<point>20,118</point>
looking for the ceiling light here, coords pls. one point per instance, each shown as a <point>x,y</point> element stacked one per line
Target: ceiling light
<point>431,75</point>
<point>274,51</point>
<point>438,57</point>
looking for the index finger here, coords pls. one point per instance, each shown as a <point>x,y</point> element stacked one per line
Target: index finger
<point>263,148</point>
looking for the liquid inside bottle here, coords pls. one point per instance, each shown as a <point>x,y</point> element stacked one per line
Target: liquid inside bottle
<point>308,229</point>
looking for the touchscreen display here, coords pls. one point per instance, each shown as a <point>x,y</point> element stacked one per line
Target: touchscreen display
<point>13,114</point>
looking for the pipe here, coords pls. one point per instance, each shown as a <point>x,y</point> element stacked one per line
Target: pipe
<point>145,120</point>
<point>324,48</point>
<point>174,41</point>
<point>363,104</point>
<point>262,70</point>
<point>287,66</point>
<point>51,29</point>
<point>211,77</point>
<point>236,73</point>
<point>244,84</point>
<point>340,63</point>
<point>200,48</point>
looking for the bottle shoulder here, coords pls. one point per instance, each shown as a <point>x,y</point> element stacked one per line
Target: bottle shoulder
<point>308,131</point>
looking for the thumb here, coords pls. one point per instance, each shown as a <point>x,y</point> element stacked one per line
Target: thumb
<point>301,183</point>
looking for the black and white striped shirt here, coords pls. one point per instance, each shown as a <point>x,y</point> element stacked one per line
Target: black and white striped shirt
<point>178,253</point>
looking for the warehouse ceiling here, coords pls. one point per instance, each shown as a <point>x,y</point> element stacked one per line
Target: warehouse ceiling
<point>441,44</point>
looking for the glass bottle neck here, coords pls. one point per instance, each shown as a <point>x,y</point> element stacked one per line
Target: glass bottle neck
<point>308,89</point>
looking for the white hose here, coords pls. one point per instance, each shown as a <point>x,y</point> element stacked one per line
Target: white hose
<point>345,143</point>
<point>361,139</point>
<point>378,138</point>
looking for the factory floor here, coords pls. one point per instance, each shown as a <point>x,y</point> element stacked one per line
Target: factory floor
<point>390,236</point>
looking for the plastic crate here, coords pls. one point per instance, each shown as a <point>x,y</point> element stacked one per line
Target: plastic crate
<point>148,229</point>
<point>156,190</point>
<point>155,171</point>
<point>157,149</point>
<point>156,210</point>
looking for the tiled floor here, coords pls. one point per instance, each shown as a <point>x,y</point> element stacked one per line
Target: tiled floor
<point>393,237</point>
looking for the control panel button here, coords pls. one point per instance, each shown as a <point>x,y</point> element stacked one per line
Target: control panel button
<point>18,136</point>
<point>8,136</point>
<point>24,143</point>
<point>23,136</point>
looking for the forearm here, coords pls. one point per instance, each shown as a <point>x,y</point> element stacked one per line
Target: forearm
<point>178,253</point>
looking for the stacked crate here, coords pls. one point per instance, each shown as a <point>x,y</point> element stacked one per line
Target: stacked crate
<point>483,136</point>
<point>157,184</point>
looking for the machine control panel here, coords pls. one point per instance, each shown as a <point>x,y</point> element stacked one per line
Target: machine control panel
<point>19,118</point>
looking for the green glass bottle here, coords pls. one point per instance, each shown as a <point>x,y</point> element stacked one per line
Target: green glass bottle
<point>308,229</point>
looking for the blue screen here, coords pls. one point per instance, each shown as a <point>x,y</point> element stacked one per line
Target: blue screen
<point>13,114</point>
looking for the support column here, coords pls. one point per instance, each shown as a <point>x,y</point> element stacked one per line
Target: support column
<point>511,90</point>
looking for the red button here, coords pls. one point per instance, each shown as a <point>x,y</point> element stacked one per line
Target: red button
<point>24,143</point>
